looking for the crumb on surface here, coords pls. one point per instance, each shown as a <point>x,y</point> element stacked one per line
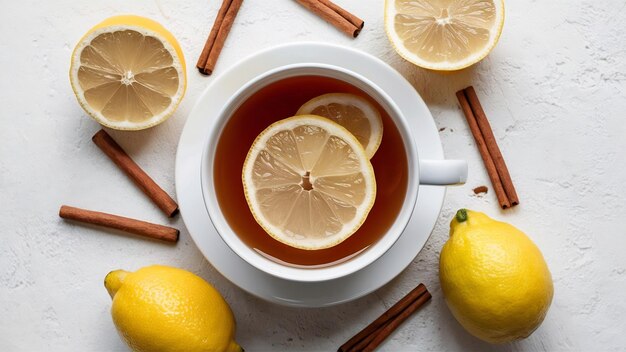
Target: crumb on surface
<point>481,189</point>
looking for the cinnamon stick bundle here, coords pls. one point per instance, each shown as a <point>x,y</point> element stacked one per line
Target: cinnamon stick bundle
<point>113,150</point>
<point>375,333</point>
<point>488,147</point>
<point>490,140</point>
<point>335,15</point>
<point>217,37</point>
<point>137,227</point>
<point>484,151</point>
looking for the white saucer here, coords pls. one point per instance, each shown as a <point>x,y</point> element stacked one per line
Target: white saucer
<point>247,277</point>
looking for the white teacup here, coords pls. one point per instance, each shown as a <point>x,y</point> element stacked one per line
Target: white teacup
<point>420,172</point>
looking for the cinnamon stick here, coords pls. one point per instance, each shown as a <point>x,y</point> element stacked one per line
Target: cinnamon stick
<point>397,321</point>
<point>137,227</point>
<point>208,45</point>
<point>490,140</point>
<point>386,317</point>
<point>484,151</point>
<point>369,338</point>
<point>132,170</point>
<point>217,37</point>
<point>335,15</point>
<point>357,22</point>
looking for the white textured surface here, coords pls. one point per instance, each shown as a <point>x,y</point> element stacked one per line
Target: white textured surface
<point>554,89</point>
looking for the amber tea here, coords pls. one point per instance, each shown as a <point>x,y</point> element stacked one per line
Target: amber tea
<point>280,100</point>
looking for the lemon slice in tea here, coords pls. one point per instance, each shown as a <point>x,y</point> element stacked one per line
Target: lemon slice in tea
<point>351,111</point>
<point>128,73</point>
<point>444,35</point>
<point>308,182</point>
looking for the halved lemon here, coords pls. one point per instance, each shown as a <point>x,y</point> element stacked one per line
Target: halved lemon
<point>444,35</point>
<point>308,182</point>
<point>128,73</point>
<point>351,111</point>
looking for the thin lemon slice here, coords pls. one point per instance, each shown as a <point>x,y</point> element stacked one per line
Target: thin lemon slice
<point>444,35</point>
<point>351,111</point>
<point>128,73</point>
<point>308,182</point>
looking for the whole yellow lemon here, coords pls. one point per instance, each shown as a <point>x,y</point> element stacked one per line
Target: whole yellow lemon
<point>160,308</point>
<point>494,278</point>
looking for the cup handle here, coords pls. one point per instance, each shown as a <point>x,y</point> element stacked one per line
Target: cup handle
<point>443,172</point>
